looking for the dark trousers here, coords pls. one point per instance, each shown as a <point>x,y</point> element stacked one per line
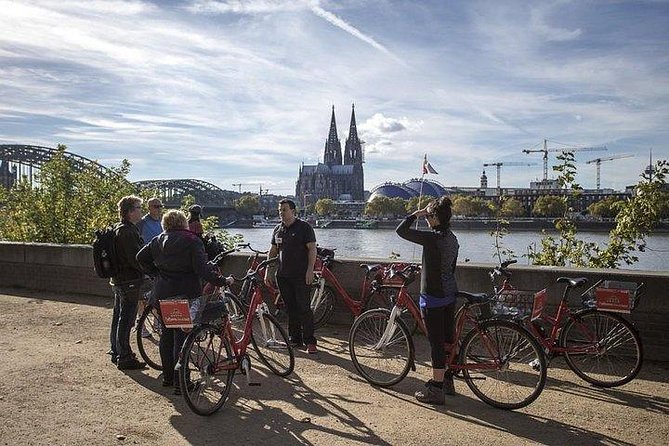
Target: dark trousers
<point>123,319</point>
<point>171,341</point>
<point>296,294</point>
<point>439,323</point>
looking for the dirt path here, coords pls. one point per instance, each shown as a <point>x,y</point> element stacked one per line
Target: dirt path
<point>59,388</point>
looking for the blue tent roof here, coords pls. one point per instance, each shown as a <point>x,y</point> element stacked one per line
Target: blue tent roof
<point>430,187</point>
<point>392,190</point>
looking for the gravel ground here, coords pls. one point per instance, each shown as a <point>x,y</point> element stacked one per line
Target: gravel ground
<point>59,388</point>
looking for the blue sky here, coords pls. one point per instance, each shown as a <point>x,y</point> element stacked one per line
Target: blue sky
<point>241,91</point>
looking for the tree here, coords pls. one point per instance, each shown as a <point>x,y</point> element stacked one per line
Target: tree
<point>68,204</point>
<point>385,207</point>
<point>549,206</point>
<point>415,203</point>
<point>324,206</point>
<point>606,208</point>
<point>511,207</point>
<point>247,204</point>
<point>472,206</point>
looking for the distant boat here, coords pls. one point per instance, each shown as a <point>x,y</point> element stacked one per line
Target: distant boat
<point>265,223</point>
<point>366,224</point>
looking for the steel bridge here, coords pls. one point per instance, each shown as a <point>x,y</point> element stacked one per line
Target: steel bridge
<point>18,160</point>
<point>206,194</point>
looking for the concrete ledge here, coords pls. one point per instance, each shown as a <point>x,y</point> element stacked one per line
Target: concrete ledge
<point>69,268</point>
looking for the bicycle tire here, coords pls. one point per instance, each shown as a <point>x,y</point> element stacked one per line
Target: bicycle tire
<point>613,364</point>
<point>205,390</point>
<point>149,346</point>
<point>385,298</point>
<point>324,306</point>
<point>271,344</point>
<point>522,375</point>
<point>385,365</point>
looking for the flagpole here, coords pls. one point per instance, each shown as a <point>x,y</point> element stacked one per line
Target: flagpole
<point>420,199</point>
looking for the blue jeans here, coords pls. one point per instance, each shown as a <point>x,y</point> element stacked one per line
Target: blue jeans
<point>123,319</point>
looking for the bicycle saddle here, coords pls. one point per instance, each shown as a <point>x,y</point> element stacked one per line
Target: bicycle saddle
<point>474,298</point>
<point>572,282</point>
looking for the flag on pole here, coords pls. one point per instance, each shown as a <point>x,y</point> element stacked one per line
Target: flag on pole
<point>427,167</point>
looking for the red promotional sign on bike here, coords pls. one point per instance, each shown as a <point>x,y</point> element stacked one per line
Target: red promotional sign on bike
<point>539,304</point>
<point>176,313</point>
<point>613,299</point>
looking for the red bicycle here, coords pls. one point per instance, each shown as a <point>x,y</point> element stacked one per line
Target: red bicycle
<point>213,352</point>
<point>326,288</point>
<point>499,360</point>
<point>598,344</point>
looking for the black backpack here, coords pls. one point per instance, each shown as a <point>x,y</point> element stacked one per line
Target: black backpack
<point>104,252</point>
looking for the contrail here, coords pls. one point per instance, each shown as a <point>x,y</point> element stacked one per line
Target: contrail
<point>341,24</point>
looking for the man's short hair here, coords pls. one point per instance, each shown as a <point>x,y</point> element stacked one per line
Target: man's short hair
<point>125,205</point>
<point>154,200</point>
<point>174,219</point>
<point>291,203</point>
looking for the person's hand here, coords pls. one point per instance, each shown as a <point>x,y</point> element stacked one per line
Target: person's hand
<point>268,282</point>
<point>309,276</point>
<point>421,212</point>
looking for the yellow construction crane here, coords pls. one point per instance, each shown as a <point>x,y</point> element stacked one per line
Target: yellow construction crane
<point>598,163</point>
<point>499,165</point>
<point>566,148</point>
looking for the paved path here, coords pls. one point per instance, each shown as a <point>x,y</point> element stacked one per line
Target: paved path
<point>58,387</point>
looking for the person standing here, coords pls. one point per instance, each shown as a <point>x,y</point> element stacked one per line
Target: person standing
<point>126,283</point>
<point>150,226</point>
<point>438,290</point>
<point>194,224</point>
<point>178,260</point>
<point>294,241</point>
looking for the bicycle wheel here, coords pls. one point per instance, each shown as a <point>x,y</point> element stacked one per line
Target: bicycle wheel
<point>507,366</point>
<point>151,324</point>
<point>271,343</point>
<point>203,376</point>
<point>322,304</point>
<point>610,348</point>
<point>383,359</point>
<point>385,298</point>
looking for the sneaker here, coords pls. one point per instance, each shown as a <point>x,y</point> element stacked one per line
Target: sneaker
<point>431,395</point>
<point>311,349</point>
<point>130,364</point>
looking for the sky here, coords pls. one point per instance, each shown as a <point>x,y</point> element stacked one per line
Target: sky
<point>234,91</point>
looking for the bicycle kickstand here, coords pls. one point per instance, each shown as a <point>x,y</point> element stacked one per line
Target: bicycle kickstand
<point>246,368</point>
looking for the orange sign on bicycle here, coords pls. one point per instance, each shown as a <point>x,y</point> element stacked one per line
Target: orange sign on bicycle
<point>176,313</point>
<point>613,299</point>
<point>539,304</point>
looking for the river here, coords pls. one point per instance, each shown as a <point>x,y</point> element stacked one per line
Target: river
<point>475,246</point>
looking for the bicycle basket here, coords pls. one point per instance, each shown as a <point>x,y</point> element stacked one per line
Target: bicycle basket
<point>520,303</point>
<point>184,313</point>
<point>613,295</point>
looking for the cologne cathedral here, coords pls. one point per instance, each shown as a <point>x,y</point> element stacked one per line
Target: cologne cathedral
<point>336,178</point>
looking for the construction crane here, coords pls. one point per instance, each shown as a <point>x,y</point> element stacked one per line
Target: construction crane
<point>239,185</point>
<point>499,168</point>
<point>598,163</point>
<point>545,151</point>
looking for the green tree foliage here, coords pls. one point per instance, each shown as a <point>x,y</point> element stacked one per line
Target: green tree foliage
<point>66,206</point>
<point>385,207</point>
<point>511,207</point>
<point>606,208</point>
<point>472,206</point>
<point>549,206</point>
<point>635,220</point>
<point>247,204</point>
<point>324,206</point>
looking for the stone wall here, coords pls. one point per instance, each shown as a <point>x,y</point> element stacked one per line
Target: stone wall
<point>69,269</point>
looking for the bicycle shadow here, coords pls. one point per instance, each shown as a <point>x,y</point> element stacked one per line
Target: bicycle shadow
<point>249,417</point>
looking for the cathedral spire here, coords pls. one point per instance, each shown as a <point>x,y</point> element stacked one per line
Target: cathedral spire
<point>332,145</point>
<point>353,148</point>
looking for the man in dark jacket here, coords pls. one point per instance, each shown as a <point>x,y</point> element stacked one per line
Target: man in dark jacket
<point>126,283</point>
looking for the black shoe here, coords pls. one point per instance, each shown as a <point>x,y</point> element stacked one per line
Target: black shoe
<point>114,359</point>
<point>449,387</point>
<point>130,364</point>
<point>431,395</point>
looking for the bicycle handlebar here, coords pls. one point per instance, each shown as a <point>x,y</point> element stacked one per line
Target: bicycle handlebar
<point>248,245</point>
<point>216,260</point>
<point>252,273</point>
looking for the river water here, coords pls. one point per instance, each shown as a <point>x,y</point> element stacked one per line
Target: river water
<point>477,246</point>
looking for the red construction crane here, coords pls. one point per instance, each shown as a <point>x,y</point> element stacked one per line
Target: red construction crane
<point>567,148</point>
<point>598,163</point>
